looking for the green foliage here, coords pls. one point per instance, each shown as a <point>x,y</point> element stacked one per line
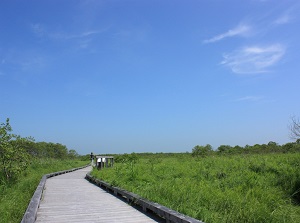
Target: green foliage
<point>271,147</point>
<point>224,149</point>
<point>16,152</point>
<point>22,164</point>
<point>13,157</point>
<point>201,151</point>
<point>51,150</point>
<point>236,188</point>
<point>15,196</point>
<point>130,161</point>
<point>86,157</point>
<point>72,154</point>
<point>126,158</point>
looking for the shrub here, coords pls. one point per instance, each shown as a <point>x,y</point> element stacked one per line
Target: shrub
<point>201,151</point>
<point>13,158</point>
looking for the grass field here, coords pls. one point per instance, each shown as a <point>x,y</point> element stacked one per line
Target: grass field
<point>239,188</point>
<point>15,196</point>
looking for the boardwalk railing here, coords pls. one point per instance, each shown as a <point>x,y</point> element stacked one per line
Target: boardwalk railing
<point>31,212</point>
<point>168,214</point>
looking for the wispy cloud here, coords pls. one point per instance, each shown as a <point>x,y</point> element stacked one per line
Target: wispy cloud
<point>38,29</point>
<point>249,98</point>
<point>138,34</point>
<point>240,30</point>
<point>31,63</point>
<point>283,19</point>
<point>41,31</point>
<point>67,36</point>
<point>288,15</point>
<point>80,39</point>
<point>253,59</point>
<point>20,62</point>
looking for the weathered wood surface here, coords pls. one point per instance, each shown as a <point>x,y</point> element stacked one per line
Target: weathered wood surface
<point>71,198</point>
<point>31,212</point>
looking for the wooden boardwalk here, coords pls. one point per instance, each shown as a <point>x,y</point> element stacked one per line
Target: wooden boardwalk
<point>71,198</point>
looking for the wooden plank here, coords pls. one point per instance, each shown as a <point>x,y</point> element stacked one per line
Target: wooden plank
<point>71,198</point>
<point>30,214</point>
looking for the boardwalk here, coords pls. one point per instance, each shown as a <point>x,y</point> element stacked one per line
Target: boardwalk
<point>71,198</point>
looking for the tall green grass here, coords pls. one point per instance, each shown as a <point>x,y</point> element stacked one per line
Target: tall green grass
<point>15,196</point>
<point>241,188</point>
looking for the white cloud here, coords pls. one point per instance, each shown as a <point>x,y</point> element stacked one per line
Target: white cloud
<point>240,30</point>
<point>253,59</point>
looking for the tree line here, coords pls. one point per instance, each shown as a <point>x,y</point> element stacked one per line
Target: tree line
<point>16,152</point>
<point>271,147</point>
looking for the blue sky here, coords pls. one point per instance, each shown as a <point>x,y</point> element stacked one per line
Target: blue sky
<point>126,76</point>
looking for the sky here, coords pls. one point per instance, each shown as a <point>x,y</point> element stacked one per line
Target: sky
<point>123,76</point>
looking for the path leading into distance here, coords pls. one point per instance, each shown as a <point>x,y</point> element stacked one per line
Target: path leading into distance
<point>71,198</point>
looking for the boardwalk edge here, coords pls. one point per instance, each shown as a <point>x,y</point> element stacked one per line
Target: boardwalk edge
<point>31,211</point>
<point>147,206</point>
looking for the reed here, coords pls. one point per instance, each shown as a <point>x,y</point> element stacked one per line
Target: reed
<point>239,188</point>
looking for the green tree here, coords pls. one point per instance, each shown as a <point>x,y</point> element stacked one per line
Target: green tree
<point>224,148</point>
<point>13,157</point>
<point>51,150</point>
<point>201,150</point>
<point>288,147</point>
<point>72,154</point>
<point>237,149</point>
<point>273,147</point>
<point>133,158</point>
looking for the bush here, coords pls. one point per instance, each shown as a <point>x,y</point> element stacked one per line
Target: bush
<point>13,158</point>
<point>201,151</point>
